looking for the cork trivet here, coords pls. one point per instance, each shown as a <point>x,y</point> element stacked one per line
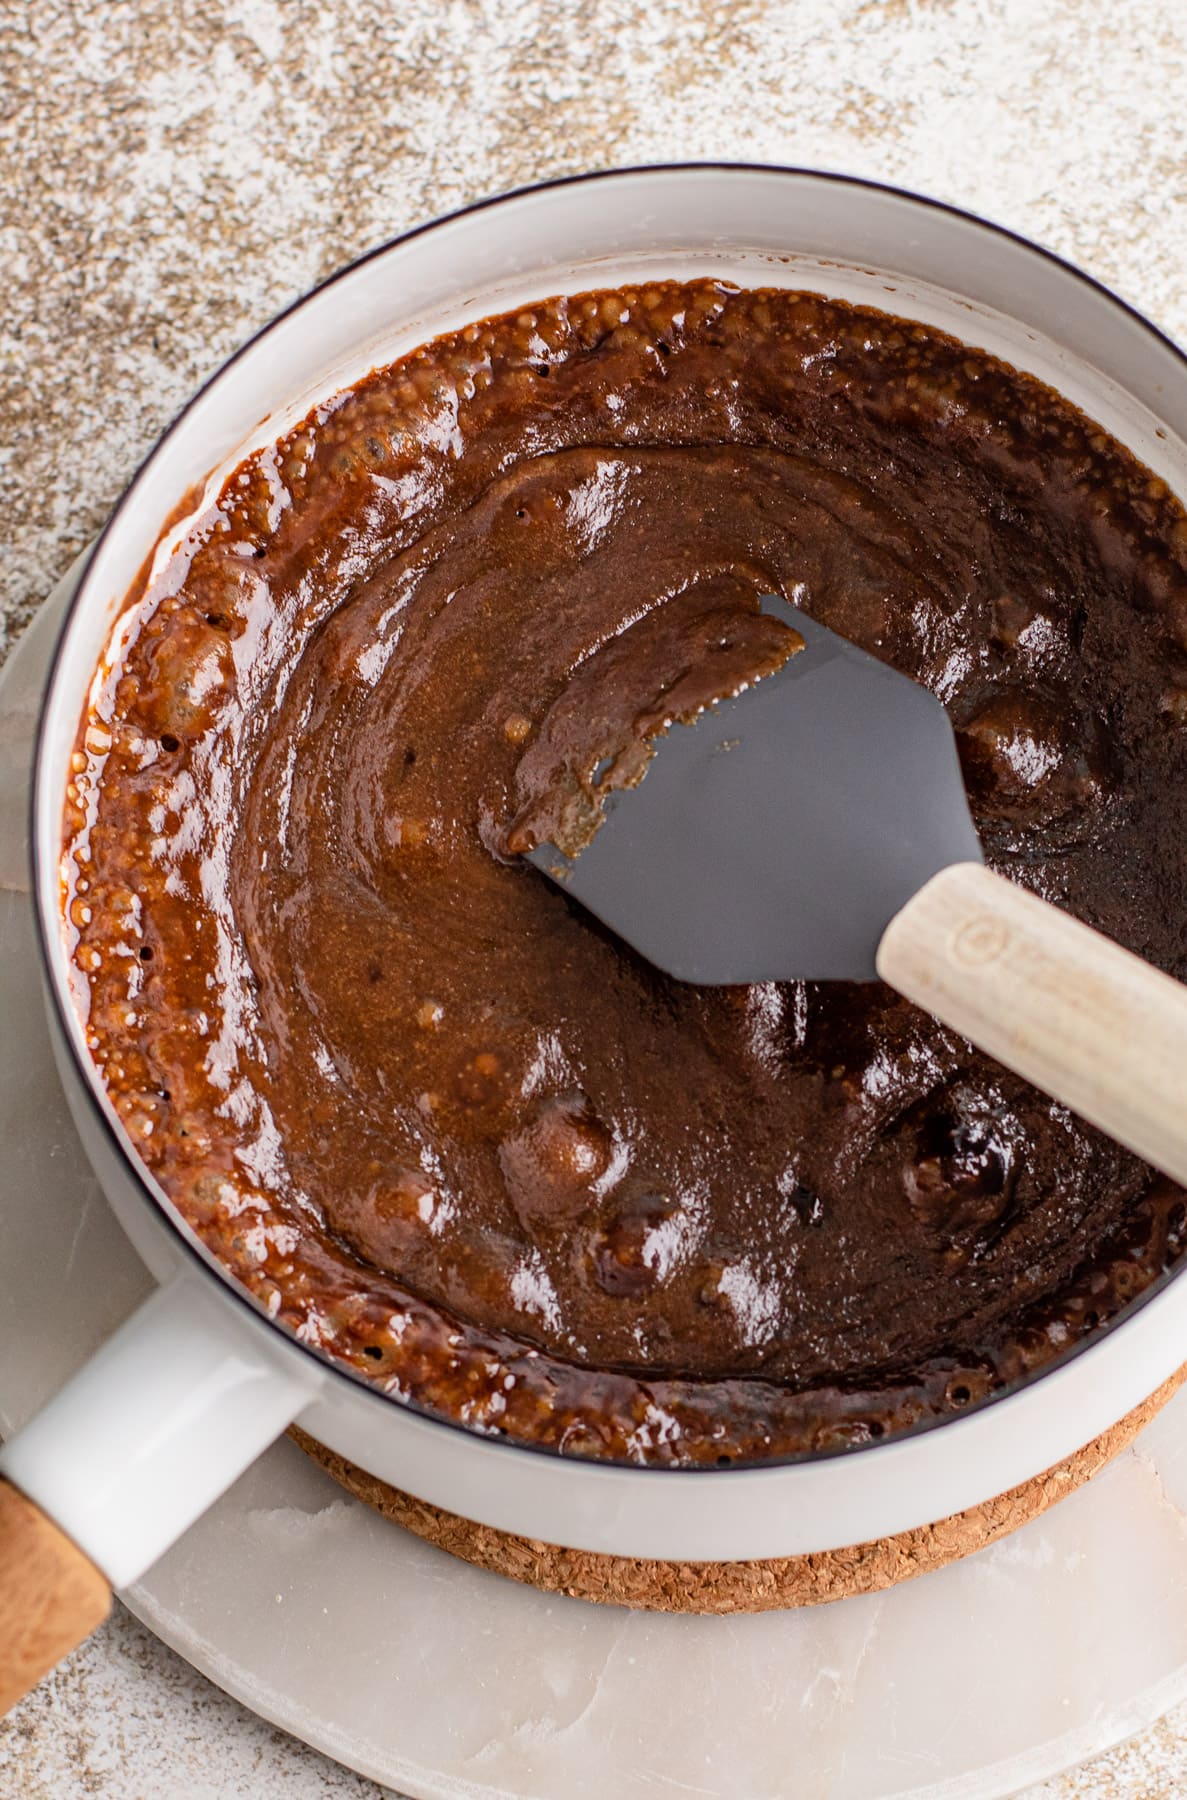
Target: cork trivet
<point>739,1587</point>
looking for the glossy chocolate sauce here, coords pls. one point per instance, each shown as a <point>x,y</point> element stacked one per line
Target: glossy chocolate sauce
<point>443,1125</point>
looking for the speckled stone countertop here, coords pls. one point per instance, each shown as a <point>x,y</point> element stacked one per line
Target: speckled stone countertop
<point>176,172</point>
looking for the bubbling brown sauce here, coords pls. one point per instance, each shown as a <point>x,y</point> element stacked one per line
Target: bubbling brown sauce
<point>444,1126</point>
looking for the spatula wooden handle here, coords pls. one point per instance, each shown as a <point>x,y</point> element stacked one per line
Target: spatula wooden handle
<point>1084,1020</point>
<point>51,1595</point>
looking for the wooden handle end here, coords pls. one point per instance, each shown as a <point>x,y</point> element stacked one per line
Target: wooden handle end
<point>51,1595</point>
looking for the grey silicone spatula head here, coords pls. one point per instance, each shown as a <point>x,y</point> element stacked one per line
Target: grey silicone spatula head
<point>777,836</point>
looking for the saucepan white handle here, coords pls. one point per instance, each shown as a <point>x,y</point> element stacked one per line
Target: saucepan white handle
<point>131,1451</point>
<point>1083,1019</point>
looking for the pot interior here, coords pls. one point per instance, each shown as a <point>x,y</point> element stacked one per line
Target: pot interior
<point>750,227</point>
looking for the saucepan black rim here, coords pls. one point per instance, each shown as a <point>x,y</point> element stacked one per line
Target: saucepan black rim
<point>188,1241</point>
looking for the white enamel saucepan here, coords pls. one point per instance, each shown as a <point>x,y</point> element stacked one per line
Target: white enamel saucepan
<point>200,1381</point>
